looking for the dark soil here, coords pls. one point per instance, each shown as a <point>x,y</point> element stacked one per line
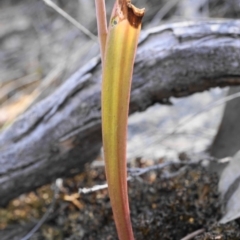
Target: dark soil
<point>161,208</point>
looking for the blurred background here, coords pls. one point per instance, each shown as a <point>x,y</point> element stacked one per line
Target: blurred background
<point>39,50</point>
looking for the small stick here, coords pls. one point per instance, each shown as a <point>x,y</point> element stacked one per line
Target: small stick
<point>71,19</point>
<point>44,217</point>
<point>163,12</point>
<point>135,172</point>
<point>193,234</point>
<point>92,189</point>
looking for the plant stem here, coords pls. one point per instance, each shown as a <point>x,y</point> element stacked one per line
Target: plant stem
<point>125,25</point>
<point>102,25</point>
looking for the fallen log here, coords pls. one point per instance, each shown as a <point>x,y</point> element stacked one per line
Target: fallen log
<point>57,136</point>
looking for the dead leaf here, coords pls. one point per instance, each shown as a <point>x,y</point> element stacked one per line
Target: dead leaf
<point>229,188</point>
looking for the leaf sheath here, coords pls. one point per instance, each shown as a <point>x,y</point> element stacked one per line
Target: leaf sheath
<point>117,75</point>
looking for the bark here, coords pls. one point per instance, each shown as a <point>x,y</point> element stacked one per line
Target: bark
<point>57,136</point>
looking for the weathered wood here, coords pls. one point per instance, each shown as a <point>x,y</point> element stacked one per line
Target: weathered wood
<point>61,133</point>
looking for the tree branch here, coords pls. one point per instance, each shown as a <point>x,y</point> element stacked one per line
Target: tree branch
<point>62,132</point>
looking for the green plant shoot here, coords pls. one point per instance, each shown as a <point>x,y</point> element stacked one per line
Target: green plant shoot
<point>118,59</point>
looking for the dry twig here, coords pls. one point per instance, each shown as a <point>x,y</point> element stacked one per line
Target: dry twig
<point>136,172</point>
<point>193,234</point>
<point>163,12</point>
<point>44,217</point>
<point>71,19</point>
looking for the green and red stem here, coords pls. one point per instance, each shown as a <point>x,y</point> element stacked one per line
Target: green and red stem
<point>119,55</point>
